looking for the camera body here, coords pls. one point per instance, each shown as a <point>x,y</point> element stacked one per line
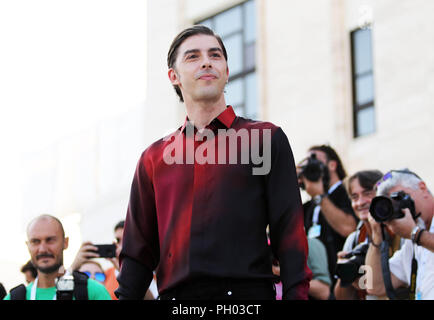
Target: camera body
<point>384,208</point>
<point>106,250</point>
<point>348,271</point>
<point>65,287</point>
<point>314,170</point>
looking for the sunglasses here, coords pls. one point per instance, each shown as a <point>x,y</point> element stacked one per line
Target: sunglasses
<point>388,175</point>
<point>99,276</point>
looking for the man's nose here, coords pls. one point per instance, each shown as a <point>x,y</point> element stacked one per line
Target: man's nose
<point>361,201</point>
<point>43,247</point>
<point>206,63</point>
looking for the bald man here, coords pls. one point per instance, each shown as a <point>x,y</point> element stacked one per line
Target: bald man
<point>46,241</point>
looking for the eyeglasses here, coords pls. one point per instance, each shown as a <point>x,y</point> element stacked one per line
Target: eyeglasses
<point>99,276</point>
<point>388,175</point>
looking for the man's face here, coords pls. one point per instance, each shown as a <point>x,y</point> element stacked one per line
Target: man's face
<point>200,69</point>
<point>119,233</point>
<point>360,199</point>
<point>416,195</point>
<point>46,244</point>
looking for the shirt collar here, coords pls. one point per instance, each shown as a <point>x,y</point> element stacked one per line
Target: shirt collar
<point>334,187</point>
<point>226,118</point>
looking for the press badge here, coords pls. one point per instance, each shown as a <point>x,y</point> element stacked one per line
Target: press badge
<point>314,231</point>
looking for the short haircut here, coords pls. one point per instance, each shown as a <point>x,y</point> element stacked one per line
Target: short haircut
<point>404,178</point>
<point>367,179</point>
<point>332,155</point>
<point>119,225</point>
<point>47,217</point>
<point>180,38</point>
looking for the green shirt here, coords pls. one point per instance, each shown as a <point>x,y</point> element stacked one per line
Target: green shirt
<point>317,261</point>
<point>95,291</point>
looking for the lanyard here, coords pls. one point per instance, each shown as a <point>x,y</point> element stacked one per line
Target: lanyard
<point>413,277</point>
<point>33,291</point>
<point>317,209</point>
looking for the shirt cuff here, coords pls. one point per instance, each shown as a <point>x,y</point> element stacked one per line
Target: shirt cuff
<point>134,280</point>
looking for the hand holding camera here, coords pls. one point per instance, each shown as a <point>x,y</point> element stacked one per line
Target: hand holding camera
<point>313,176</point>
<point>88,251</point>
<point>397,212</point>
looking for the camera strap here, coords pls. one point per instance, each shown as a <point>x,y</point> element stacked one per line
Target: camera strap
<point>34,288</point>
<point>384,249</point>
<point>413,278</point>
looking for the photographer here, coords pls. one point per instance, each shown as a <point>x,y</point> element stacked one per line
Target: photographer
<point>89,251</point>
<point>412,265</point>
<point>46,242</point>
<point>360,187</point>
<point>329,215</point>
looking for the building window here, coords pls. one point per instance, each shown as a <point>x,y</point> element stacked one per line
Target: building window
<point>237,28</point>
<point>363,82</point>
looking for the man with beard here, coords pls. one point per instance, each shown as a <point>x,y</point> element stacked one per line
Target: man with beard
<point>46,242</point>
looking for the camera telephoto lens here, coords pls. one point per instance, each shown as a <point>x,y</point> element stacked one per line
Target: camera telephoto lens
<point>381,209</point>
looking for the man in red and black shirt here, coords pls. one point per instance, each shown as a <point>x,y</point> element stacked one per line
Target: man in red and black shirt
<point>202,197</point>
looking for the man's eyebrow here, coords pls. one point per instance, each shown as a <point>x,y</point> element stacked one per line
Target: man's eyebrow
<point>191,51</point>
<point>215,49</point>
<point>187,52</point>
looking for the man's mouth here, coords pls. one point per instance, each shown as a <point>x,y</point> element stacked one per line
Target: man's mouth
<point>206,76</point>
<point>44,257</point>
<point>363,210</point>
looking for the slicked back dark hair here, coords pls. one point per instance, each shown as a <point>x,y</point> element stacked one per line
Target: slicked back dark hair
<point>180,38</point>
<point>332,155</point>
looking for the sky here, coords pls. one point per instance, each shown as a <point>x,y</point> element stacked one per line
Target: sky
<point>65,66</point>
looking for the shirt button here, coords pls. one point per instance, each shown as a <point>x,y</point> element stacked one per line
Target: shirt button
<point>229,293</point>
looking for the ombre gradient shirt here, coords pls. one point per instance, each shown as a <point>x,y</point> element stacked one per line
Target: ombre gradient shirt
<point>196,212</point>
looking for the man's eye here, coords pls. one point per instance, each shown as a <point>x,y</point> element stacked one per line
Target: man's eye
<point>193,56</point>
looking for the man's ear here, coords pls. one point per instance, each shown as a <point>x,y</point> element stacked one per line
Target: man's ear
<point>173,77</point>
<point>65,243</point>
<point>424,189</point>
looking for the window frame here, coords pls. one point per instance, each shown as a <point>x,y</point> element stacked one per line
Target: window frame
<point>357,108</point>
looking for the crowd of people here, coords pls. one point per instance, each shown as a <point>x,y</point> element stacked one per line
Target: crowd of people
<point>46,243</point>
<point>340,216</point>
<point>337,222</point>
<point>195,229</point>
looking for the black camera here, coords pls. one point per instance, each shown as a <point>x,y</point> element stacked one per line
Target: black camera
<point>348,271</point>
<point>385,209</point>
<point>106,250</point>
<point>313,170</point>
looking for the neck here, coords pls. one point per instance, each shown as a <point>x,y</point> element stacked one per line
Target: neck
<point>333,179</point>
<point>46,280</point>
<point>201,113</point>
